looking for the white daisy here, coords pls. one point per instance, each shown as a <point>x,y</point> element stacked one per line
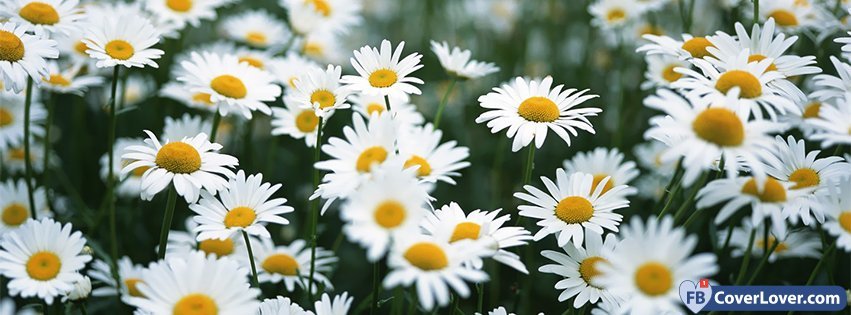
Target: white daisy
<point>182,242</point>
<point>280,306</point>
<point>323,47</point>
<point>609,14</point>
<point>295,121</point>
<point>497,311</point>
<point>687,48</point>
<point>381,72</point>
<point>23,54</point>
<point>340,305</point>
<point>660,71</point>
<point>579,269</point>
<point>74,49</point>
<point>14,159</point>
<point>139,88</point>
<point>129,185</point>
<point>457,62</point>
<point>53,16</point>
<point>420,146</point>
<point>603,162</point>
<point>80,292</point>
<point>320,90</point>
<point>290,68</point>
<point>790,15</point>
<point>123,40</point>
<point>129,273</point>
<point>69,80</point>
<point>829,87</point>
<point>838,208</point>
<point>183,12</point>
<point>833,124</point>
<point>15,206</point>
<point>291,264</point>
<point>795,243</point>
<point>649,156</point>
<point>311,16</point>
<point>182,93</point>
<point>405,114</point>
<point>187,126</point>
<point>41,259</point>
<point>569,207</point>
<point>529,108</point>
<point>12,120</point>
<point>190,163</point>
<point>256,28</point>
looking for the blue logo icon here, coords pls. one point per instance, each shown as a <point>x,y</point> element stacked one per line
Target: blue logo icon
<point>695,296</point>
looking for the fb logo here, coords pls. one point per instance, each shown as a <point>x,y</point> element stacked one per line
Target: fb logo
<point>695,297</point>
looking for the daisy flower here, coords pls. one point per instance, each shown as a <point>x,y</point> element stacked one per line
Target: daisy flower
<point>68,81</point>
<point>190,163</point>
<point>323,47</point>
<point>129,185</point>
<point>648,265</point>
<point>578,266</point>
<point>311,16</point>
<point>80,292</point>
<point>380,72</point>
<point>53,16</point>
<point>497,311</point>
<point>569,207</point>
<point>393,202</point>
<point>687,48</point>
<point>795,243</point>
<point>450,224</point>
<point>74,49</point>
<point>457,62</point>
<point>701,134</point>
<point>603,162</point>
<point>195,283</point>
<point>15,206</point>
<point>838,208</point>
<point>609,14</point>
<point>829,87</point>
<point>41,259</point>
<point>14,158</point>
<point>649,156</point>
<point>183,12</point>
<point>231,84</point>
<point>320,90</point>
<point>790,15</point>
<point>182,242</point>
<point>256,28</point>
<point>434,266</point>
<point>833,124</point>
<point>180,92</point>
<point>187,126</point>
<point>129,273</point>
<point>123,40</point>
<point>296,121</point>
<point>280,306</point>
<point>660,71</point>
<point>405,114</point>
<point>288,69</point>
<point>529,108</point>
<point>420,146</point>
<point>23,54</point>
<point>12,120</point>
<point>291,264</point>
<point>139,87</point>
<point>245,205</point>
<point>340,305</point>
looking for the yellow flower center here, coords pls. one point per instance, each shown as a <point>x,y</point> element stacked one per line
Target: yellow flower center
<point>650,29</point>
<point>57,79</point>
<point>312,49</point>
<point>256,38</point>
<point>179,5</point>
<point>179,158</point>
<point>218,247</point>
<point>574,210</point>
<point>599,178</point>
<point>784,17</point>
<point>615,15</point>
<point>758,58</point>
<point>139,171</point>
<point>804,177</point>
<point>203,98</point>
<point>372,108</point>
<point>133,287</point>
<point>845,221</point>
<point>15,214</point>
<point>670,75</point>
<point>425,168</point>
<point>588,269</point>
<point>18,154</point>
<point>306,121</point>
<point>240,217</point>
<point>812,110</point>
<point>43,266</point>
<point>772,192</point>
<point>195,304</point>
<point>370,156</point>
<point>760,243</point>
<point>5,117</point>
<point>292,81</point>
<point>382,78</point>
<point>696,47</point>
<point>39,13</point>
<point>324,97</point>
<point>80,47</point>
<point>11,47</point>
<point>426,256</point>
<point>254,62</point>
<point>720,126</point>
<point>321,6</point>
<point>229,86</point>
<point>389,214</point>
<point>538,109</point>
<point>465,231</point>
<point>653,278</point>
<point>119,49</point>
<point>747,83</point>
<point>281,264</point>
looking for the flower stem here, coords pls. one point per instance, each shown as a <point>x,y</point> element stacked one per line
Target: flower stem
<point>481,297</point>
<point>762,262</point>
<point>387,102</point>
<point>755,11</point>
<point>314,206</point>
<point>46,160</point>
<point>746,259</point>
<point>169,213</point>
<point>217,118</point>
<point>110,179</point>
<point>530,164</point>
<point>376,269</point>
<point>27,163</point>
<point>818,266</point>
<point>443,102</point>
<point>82,307</point>
<point>254,282</point>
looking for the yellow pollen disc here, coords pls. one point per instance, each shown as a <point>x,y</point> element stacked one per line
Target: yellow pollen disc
<point>615,15</point>
<point>43,266</point>
<point>119,49</point>
<point>772,192</point>
<point>5,117</point>
<point>203,98</point>
<point>281,264</point>
<point>321,6</point>
<point>538,109</point>
<point>382,78</point>
<point>653,278</point>
<point>374,108</point>
<point>195,304</point>
<point>179,5</point>
<point>254,62</point>
<point>57,79</point>
<point>845,221</point>
<point>720,126</point>
<point>324,97</point>
<point>39,13</point>
<point>240,217</point>
<point>139,171</point>
<point>306,121</point>
<point>292,81</point>
<point>11,47</point>
<point>651,30</point>
<point>256,38</point>
<point>218,247</point>
<point>804,177</point>
<point>758,58</point>
<point>15,214</point>
<point>812,110</point>
<point>389,214</point>
<point>425,168</point>
<point>132,287</point>
<point>599,178</point>
<point>760,243</point>
<point>748,84</point>
<point>784,18</point>
<point>465,231</point>
<point>81,47</point>
<point>370,156</point>
<point>229,86</point>
<point>588,269</point>
<point>696,47</point>
<point>179,158</point>
<point>312,49</point>
<point>426,256</point>
<point>670,75</point>
<point>17,154</point>
<point>574,210</point>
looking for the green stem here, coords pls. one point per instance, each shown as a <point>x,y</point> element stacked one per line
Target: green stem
<point>762,262</point>
<point>217,118</point>
<point>387,102</point>
<point>443,102</point>
<point>254,282</point>
<point>674,180</point>
<point>46,151</point>
<point>746,259</point>
<point>454,305</point>
<point>818,266</point>
<point>530,164</point>
<point>481,297</point>
<point>690,199</point>
<point>376,269</point>
<point>314,206</point>
<point>45,308</point>
<point>27,163</point>
<point>169,214</point>
<point>755,11</point>
<point>82,307</point>
<point>246,139</point>
<point>110,179</point>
